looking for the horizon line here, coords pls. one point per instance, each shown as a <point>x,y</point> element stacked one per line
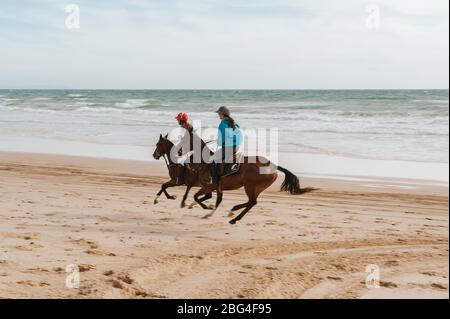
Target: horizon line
<point>222,89</point>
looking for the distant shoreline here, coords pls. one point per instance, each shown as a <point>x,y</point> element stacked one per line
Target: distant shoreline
<point>403,174</point>
<point>225,89</point>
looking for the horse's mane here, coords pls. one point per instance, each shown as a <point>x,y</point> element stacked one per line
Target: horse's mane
<point>166,140</point>
<point>169,141</point>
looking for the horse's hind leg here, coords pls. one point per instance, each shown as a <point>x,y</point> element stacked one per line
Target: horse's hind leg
<point>252,201</point>
<point>203,191</point>
<point>218,201</point>
<point>250,205</point>
<point>202,199</point>
<point>253,188</point>
<point>206,197</point>
<point>238,207</point>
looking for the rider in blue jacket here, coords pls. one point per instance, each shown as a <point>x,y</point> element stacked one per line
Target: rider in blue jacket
<point>229,138</point>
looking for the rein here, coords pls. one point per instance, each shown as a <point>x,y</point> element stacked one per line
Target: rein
<point>165,160</point>
<point>168,164</point>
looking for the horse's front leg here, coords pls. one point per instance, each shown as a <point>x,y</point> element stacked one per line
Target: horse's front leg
<point>163,190</point>
<point>168,196</point>
<point>183,202</point>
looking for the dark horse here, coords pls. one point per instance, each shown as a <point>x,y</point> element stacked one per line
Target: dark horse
<point>255,174</point>
<point>179,174</point>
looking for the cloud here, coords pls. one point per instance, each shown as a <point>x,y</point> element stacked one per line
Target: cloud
<point>225,44</point>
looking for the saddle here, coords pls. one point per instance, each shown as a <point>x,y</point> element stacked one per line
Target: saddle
<point>232,168</point>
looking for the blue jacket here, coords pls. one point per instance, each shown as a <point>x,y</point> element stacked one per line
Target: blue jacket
<point>227,137</point>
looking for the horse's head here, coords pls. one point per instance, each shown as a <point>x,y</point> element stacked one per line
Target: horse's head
<point>162,147</point>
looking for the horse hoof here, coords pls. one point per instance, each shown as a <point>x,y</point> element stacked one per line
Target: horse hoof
<point>182,205</point>
<point>173,197</point>
<point>155,202</point>
<point>232,222</point>
<point>206,216</point>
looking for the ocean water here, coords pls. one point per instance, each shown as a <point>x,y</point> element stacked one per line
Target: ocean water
<point>408,125</point>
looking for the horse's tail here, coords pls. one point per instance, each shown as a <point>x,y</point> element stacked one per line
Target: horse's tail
<point>291,183</point>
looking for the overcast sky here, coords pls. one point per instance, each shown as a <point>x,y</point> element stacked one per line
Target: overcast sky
<point>243,44</point>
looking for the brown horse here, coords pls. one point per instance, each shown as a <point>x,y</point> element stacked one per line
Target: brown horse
<point>255,174</point>
<point>188,176</point>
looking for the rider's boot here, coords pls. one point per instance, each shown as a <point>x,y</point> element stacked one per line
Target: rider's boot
<point>214,176</point>
<point>180,176</point>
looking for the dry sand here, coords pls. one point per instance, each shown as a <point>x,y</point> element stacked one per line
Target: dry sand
<point>99,214</point>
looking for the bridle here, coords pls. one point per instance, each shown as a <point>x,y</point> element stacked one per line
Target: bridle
<point>169,164</point>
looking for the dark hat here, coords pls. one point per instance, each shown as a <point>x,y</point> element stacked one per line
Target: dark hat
<point>224,111</point>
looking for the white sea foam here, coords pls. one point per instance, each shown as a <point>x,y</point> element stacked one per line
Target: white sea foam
<point>39,110</point>
<point>84,103</point>
<point>350,124</point>
<point>132,103</point>
<point>100,110</point>
<point>7,108</point>
<point>9,100</point>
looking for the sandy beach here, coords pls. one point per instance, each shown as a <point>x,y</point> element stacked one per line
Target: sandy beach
<point>99,214</point>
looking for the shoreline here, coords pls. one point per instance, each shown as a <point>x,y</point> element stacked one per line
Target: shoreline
<point>158,169</point>
<point>311,165</point>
